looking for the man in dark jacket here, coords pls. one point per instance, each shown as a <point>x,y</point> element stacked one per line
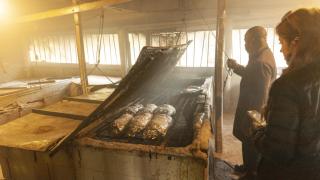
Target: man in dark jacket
<point>256,79</point>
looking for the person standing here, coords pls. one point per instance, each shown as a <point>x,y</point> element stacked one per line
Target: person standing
<point>256,78</point>
<point>290,142</point>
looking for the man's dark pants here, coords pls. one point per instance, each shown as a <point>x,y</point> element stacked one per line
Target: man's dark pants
<point>250,156</point>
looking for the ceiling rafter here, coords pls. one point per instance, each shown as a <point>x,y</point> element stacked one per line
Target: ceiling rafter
<point>83,7</point>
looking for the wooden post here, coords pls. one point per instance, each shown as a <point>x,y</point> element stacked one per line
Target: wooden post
<point>80,50</point>
<point>218,78</point>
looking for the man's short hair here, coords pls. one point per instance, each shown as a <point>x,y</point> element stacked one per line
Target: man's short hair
<point>257,32</point>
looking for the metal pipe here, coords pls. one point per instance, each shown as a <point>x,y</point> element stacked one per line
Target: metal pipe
<point>218,78</point>
<point>80,50</point>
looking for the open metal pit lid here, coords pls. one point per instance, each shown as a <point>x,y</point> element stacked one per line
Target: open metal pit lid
<point>152,66</point>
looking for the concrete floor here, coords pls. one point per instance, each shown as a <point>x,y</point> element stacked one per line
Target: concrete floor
<point>231,155</point>
<point>232,152</point>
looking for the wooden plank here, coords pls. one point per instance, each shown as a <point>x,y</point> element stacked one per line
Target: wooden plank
<point>83,100</point>
<point>9,91</point>
<point>22,102</point>
<point>35,93</point>
<point>35,132</point>
<point>95,97</point>
<point>59,114</point>
<point>68,109</point>
<point>72,107</point>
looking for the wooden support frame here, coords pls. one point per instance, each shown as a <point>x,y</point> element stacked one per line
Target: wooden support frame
<point>59,114</point>
<point>218,78</point>
<point>80,50</point>
<point>83,100</point>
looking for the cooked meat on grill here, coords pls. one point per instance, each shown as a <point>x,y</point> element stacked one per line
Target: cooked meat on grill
<point>120,123</point>
<point>165,109</point>
<point>148,108</point>
<point>140,121</point>
<point>158,127</point>
<point>134,109</point>
<point>160,122</point>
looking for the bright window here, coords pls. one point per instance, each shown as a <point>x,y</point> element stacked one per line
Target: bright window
<point>239,52</point>
<point>201,51</point>
<point>62,49</point>
<point>137,42</point>
<point>274,44</point>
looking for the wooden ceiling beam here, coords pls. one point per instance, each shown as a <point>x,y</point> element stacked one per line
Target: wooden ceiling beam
<point>68,10</point>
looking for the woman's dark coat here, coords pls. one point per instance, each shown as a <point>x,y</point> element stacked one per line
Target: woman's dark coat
<point>290,143</point>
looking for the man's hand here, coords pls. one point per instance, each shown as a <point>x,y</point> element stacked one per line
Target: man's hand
<point>231,63</point>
